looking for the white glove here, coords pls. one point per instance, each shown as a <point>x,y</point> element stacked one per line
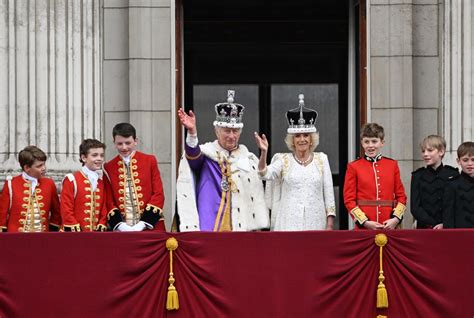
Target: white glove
<point>140,226</point>
<point>124,227</point>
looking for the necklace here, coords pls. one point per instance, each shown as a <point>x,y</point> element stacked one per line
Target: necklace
<point>303,162</point>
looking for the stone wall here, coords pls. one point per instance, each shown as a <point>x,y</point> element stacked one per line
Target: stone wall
<point>421,76</point>
<point>50,80</point>
<point>405,77</point>
<point>138,79</point>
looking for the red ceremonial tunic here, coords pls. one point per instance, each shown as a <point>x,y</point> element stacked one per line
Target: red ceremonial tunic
<point>370,181</point>
<point>83,209</point>
<point>146,183</point>
<point>46,197</point>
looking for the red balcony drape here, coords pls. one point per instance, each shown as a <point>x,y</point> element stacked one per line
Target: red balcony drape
<point>267,274</point>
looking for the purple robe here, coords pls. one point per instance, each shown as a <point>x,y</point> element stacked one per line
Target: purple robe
<point>208,186</point>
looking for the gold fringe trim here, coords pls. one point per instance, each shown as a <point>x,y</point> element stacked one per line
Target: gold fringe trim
<point>172,300</point>
<point>382,296</point>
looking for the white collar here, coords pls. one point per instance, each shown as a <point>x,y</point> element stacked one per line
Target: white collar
<point>127,159</point>
<point>93,176</point>
<point>33,180</point>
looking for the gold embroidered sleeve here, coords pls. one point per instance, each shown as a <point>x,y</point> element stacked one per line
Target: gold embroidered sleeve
<point>399,211</point>
<point>72,228</point>
<point>101,228</point>
<point>331,211</point>
<point>359,215</point>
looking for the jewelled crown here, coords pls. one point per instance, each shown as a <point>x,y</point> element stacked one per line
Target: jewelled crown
<point>301,119</point>
<point>229,114</point>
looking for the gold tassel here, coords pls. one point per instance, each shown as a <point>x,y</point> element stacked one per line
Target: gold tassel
<point>172,300</point>
<point>381,316</point>
<point>382,296</point>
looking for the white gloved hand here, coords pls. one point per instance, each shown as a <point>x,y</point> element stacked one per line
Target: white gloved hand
<point>124,227</point>
<point>140,226</point>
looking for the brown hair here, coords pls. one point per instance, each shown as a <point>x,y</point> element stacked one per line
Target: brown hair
<point>29,155</point>
<point>88,144</point>
<point>466,148</point>
<point>372,130</point>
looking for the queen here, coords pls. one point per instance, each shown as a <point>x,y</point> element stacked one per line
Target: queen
<point>299,188</point>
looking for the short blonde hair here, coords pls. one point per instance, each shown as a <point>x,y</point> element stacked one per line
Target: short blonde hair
<point>291,145</point>
<point>434,141</point>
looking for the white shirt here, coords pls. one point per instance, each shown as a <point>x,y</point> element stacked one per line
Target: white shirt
<point>93,177</point>
<point>34,181</point>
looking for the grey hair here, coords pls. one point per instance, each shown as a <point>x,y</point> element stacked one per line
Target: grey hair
<point>291,145</point>
<point>217,128</point>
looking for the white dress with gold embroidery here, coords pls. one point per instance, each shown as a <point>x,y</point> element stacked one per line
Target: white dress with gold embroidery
<point>301,197</point>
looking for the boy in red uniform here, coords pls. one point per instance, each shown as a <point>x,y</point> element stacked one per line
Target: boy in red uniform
<point>135,195</point>
<point>29,201</point>
<point>83,205</point>
<point>373,191</point>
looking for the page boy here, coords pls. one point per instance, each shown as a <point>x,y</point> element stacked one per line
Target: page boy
<point>29,201</point>
<point>133,185</point>
<point>428,184</point>
<point>373,191</point>
<point>83,205</point>
<point>459,194</point>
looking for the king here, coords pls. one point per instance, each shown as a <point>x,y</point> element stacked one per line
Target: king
<point>218,188</point>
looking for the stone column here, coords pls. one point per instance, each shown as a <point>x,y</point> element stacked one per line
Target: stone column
<point>50,80</point>
<point>391,81</point>
<point>427,103</point>
<point>138,80</point>
<point>457,85</point>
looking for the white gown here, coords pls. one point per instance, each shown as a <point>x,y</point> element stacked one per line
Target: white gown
<point>301,197</point>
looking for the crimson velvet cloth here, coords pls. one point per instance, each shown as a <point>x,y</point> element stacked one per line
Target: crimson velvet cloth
<point>429,273</point>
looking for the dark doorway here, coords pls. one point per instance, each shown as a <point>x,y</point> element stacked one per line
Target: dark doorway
<point>269,52</point>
